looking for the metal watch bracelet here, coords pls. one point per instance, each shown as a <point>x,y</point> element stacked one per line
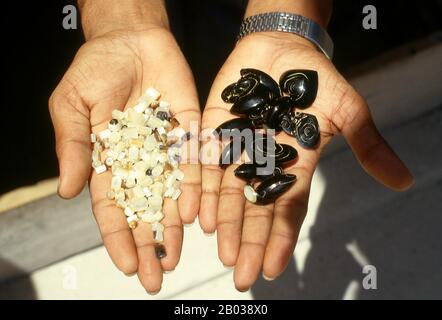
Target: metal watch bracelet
<point>292,23</point>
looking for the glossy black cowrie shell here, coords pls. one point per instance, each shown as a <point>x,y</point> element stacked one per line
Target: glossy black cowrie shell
<point>233,127</point>
<point>307,129</point>
<point>276,110</point>
<point>264,79</point>
<point>249,171</point>
<point>258,116</point>
<point>231,153</point>
<point>239,89</point>
<point>300,85</point>
<point>270,189</point>
<point>288,124</point>
<point>257,147</point>
<point>285,153</point>
<point>248,104</point>
<point>265,147</point>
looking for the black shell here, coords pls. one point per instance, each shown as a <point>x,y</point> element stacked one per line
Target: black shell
<point>249,171</point>
<point>249,103</point>
<point>233,127</point>
<point>260,153</point>
<point>273,187</point>
<point>264,79</point>
<point>300,85</point>
<point>231,153</point>
<point>276,110</point>
<point>256,148</point>
<point>258,116</point>
<point>304,127</point>
<point>239,89</point>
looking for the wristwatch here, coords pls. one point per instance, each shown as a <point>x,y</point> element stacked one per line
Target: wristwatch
<point>289,22</point>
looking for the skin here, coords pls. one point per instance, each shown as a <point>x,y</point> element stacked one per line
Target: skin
<point>129,47</point>
<point>253,238</point>
<point>112,70</point>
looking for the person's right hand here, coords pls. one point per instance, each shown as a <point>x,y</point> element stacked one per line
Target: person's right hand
<point>112,71</point>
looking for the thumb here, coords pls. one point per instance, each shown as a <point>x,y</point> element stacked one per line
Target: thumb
<point>354,120</point>
<point>72,134</point>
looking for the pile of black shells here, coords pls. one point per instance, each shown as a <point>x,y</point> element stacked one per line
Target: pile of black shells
<point>264,104</point>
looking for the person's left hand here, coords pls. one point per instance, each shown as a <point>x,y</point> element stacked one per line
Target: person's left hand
<point>252,237</point>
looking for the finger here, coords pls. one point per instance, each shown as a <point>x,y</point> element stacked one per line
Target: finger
<point>189,201</point>
<point>173,235</point>
<point>289,213</point>
<point>116,234</point>
<point>230,216</point>
<point>373,152</point>
<point>255,233</point>
<point>72,134</point>
<point>150,271</point>
<point>211,173</point>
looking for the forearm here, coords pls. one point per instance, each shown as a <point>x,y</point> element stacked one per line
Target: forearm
<point>317,10</point>
<point>101,16</point>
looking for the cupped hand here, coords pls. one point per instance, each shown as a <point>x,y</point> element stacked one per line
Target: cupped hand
<point>109,72</point>
<point>255,238</point>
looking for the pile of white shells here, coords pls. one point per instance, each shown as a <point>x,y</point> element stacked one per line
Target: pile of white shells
<point>141,146</point>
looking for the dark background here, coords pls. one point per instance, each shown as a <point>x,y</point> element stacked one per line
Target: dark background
<point>37,50</point>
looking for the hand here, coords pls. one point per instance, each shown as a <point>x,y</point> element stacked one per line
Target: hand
<point>252,237</point>
<point>112,71</point>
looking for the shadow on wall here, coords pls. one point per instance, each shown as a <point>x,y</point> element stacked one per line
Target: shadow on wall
<point>360,222</point>
<point>9,290</point>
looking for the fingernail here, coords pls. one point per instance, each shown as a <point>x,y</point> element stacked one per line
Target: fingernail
<point>130,274</point>
<point>209,234</point>
<point>168,271</point>
<point>228,267</point>
<point>243,290</point>
<point>154,293</point>
<point>267,278</point>
<point>188,225</point>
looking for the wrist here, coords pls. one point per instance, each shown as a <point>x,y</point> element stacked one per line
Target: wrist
<point>317,10</point>
<point>102,16</point>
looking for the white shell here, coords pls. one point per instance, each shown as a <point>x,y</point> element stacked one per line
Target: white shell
<point>101,169</point>
<point>104,134</point>
<point>117,114</point>
<point>250,193</point>
<point>158,236</point>
<point>133,217</point>
<point>152,93</point>
<point>128,212</point>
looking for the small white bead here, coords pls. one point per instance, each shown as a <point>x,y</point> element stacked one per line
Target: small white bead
<point>176,194</point>
<point>154,122</point>
<point>117,114</point>
<point>159,215</point>
<point>152,93</point>
<point>158,235</point>
<point>157,170</point>
<point>250,193</point>
<point>101,169</point>
<point>161,130</point>
<point>147,192</point>
<point>141,106</point>
<point>104,134</point>
<point>164,105</point>
<point>109,161</point>
<point>128,212</point>
<point>131,218</point>
<point>93,137</point>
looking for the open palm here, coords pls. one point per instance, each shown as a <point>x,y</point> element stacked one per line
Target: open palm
<point>252,237</point>
<point>109,72</point>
